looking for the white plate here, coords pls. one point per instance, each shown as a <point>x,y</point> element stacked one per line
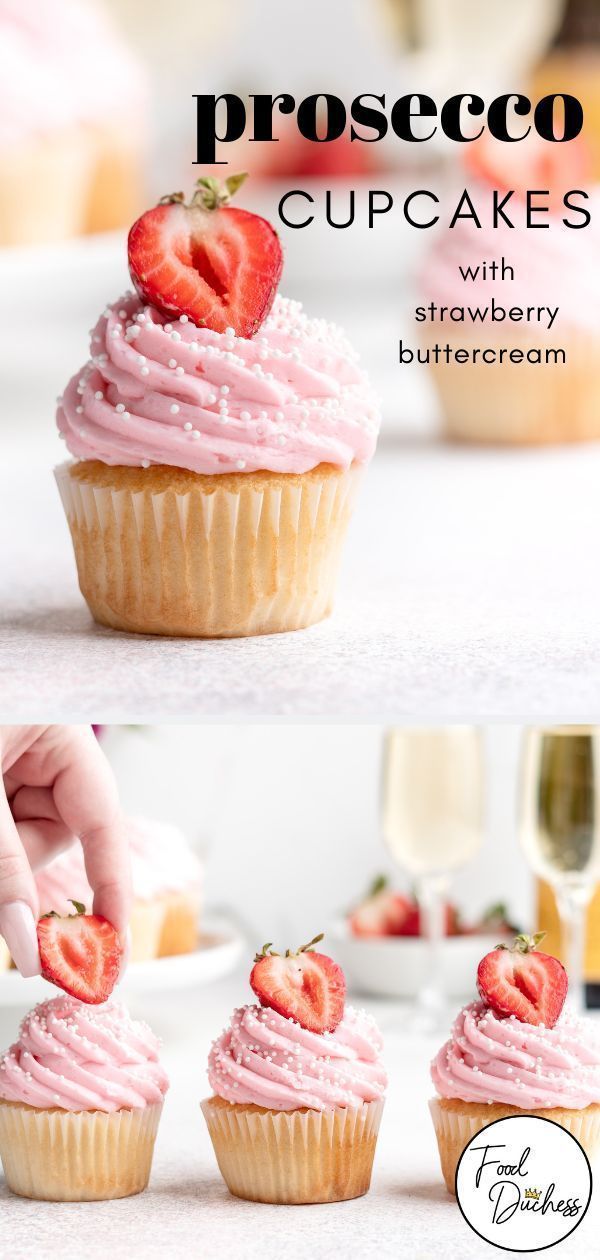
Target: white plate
<point>219,950</point>
<point>396,966</point>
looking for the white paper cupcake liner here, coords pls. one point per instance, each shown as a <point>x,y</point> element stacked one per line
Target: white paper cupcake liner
<point>455,1128</point>
<point>75,1156</point>
<point>294,1156</point>
<point>212,561</point>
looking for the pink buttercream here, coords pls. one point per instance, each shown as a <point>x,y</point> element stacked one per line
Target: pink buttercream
<point>266,1059</point>
<point>82,1058</point>
<point>501,1060</point>
<point>63,65</point>
<point>166,392</point>
<point>162,861</point>
<point>554,266</point>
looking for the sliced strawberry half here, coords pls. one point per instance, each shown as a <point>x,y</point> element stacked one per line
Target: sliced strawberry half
<point>522,981</point>
<point>304,986</point>
<point>213,262</point>
<point>384,913</point>
<point>80,953</point>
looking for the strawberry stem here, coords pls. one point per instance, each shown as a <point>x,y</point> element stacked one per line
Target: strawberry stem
<point>524,944</point>
<point>211,193</point>
<point>268,952</point>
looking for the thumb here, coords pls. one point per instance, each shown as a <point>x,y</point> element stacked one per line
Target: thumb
<point>18,897</point>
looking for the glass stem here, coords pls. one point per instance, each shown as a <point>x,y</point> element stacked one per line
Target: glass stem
<point>572,906</point>
<point>431,891</point>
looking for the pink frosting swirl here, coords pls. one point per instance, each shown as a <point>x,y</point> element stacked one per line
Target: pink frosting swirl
<point>501,1060</point>
<point>166,392</point>
<point>266,1059</point>
<point>82,1058</point>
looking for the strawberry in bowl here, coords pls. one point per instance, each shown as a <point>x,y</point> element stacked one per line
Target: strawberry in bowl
<point>518,1050</point>
<point>297,1085</point>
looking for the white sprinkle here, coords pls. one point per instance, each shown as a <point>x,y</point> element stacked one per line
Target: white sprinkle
<point>99,395</point>
<point>79,411</point>
<point>144,371</point>
<point>188,426</point>
<point>240,463</point>
<point>175,336</point>
<point>183,319</point>
<point>230,332</point>
<point>145,463</point>
<point>195,433</point>
<point>212,398</point>
<point>172,363</point>
<point>224,389</point>
<point>120,407</point>
<point>122,313</point>
<point>174,409</point>
<point>245,415</point>
<point>179,371</point>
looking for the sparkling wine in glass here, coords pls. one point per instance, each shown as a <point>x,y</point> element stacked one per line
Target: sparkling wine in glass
<point>560,829</point>
<point>432,803</point>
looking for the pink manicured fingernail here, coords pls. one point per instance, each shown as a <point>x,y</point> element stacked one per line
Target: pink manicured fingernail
<point>17,926</point>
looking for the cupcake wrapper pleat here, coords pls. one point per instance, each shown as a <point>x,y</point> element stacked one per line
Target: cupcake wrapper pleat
<point>257,560</point>
<point>296,1156</point>
<point>455,1128</point>
<point>69,1156</point>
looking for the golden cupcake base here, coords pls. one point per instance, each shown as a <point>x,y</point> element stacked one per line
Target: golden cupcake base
<point>168,552</point>
<point>291,1157</point>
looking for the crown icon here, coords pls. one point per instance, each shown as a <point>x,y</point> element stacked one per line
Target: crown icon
<point>533,1194</point>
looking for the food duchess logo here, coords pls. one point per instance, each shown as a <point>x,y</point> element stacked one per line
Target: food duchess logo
<point>523,1183</point>
<point>414,119</point>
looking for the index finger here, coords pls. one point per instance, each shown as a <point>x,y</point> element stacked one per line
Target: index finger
<point>86,797</point>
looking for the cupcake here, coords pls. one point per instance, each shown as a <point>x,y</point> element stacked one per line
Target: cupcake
<point>516,1051</point>
<point>218,435</point>
<point>167,886</point>
<point>81,1093</point>
<point>552,276</point>
<point>72,99</point>
<point>298,1086</point>
<point>166,874</point>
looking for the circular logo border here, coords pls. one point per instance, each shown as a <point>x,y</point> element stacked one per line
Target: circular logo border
<point>524,1250</point>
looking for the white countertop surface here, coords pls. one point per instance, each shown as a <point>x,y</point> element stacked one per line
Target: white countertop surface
<point>187,1210</point>
<point>469,587</point>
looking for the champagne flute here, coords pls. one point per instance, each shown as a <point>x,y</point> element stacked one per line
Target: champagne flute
<point>432,802</point>
<point>560,829</point>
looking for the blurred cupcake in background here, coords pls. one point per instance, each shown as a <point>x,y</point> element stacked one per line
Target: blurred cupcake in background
<point>573,65</point>
<point>72,106</point>
<point>167,889</point>
<point>504,402</point>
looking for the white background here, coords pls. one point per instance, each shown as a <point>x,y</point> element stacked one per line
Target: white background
<point>288,817</point>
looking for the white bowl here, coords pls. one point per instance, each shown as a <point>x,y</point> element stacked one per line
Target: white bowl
<point>396,966</point>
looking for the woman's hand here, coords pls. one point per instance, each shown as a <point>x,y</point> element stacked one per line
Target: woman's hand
<point>57,785</point>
